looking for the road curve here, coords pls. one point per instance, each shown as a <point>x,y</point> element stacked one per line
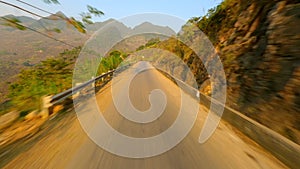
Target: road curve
<point>70,147</point>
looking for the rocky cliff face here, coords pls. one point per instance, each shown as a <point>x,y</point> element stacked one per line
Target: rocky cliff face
<point>258,42</point>
<point>264,76</point>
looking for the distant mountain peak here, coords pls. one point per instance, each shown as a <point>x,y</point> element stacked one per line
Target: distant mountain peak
<point>150,27</point>
<point>146,23</point>
<point>25,20</point>
<point>57,15</point>
<point>10,16</point>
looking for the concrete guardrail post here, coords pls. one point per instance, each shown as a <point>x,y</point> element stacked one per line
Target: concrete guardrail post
<point>45,106</point>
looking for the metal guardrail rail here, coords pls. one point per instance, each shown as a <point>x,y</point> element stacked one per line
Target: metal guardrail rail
<point>63,95</point>
<point>282,148</point>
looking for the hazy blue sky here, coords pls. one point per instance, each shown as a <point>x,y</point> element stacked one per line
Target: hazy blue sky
<point>117,9</point>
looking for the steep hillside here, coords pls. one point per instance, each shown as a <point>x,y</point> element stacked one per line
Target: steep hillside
<point>24,49</point>
<point>258,43</point>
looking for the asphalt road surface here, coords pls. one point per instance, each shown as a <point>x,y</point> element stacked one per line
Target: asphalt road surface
<point>68,146</point>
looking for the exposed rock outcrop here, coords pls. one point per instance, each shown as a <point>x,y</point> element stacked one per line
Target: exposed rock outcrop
<point>264,77</point>
<point>259,45</point>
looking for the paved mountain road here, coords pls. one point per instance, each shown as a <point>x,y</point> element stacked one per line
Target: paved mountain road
<point>69,147</point>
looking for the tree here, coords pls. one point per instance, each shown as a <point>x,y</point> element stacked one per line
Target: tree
<point>51,76</point>
<point>86,17</point>
<point>111,62</point>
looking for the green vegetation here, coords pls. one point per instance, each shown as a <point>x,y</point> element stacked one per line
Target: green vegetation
<point>5,107</point>
<point>218,20</point>
<point>4,52</point>
<point>151,43</point>
<point>112,61</point>
<point>54,75</point>
<point>51,76</point>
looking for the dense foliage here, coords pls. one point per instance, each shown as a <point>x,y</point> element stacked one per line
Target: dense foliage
<point>151,43</point>
<point>49,77</point>
<point>218,20</point>
<point>52,76</point>
<point>112,61</point>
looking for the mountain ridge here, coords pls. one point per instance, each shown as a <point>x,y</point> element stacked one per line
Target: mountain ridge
<point>21,49</point>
